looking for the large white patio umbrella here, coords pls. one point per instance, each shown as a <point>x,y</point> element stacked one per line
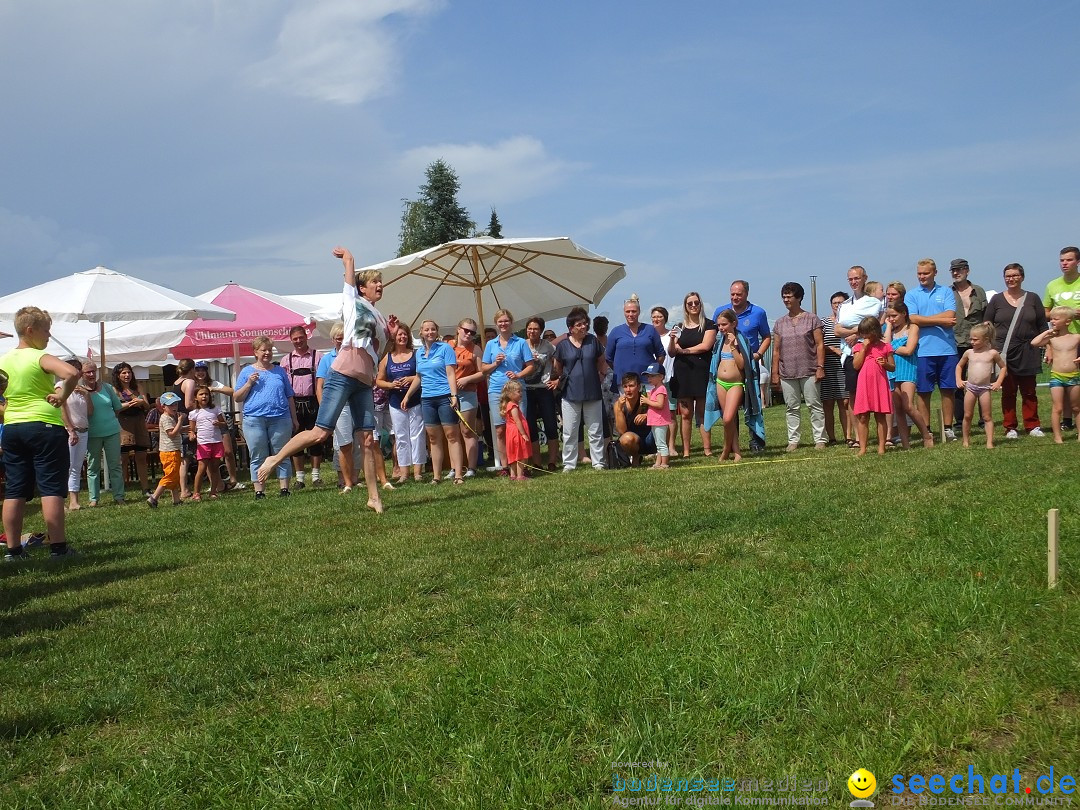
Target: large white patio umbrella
<point>102,295</point>
<point>471,277</point>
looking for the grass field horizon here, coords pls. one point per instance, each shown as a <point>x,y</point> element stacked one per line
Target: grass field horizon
<point>505,645</point>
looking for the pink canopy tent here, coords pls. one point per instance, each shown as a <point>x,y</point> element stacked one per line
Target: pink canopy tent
<point>257,313</point>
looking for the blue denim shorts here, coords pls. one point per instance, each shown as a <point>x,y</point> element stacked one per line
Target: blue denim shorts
<point>437,411</point>
<point>340,390</point>
<point>468,401</point>
<point>36,452</point>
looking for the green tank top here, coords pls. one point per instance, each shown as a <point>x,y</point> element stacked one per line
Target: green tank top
<point>27,388</point>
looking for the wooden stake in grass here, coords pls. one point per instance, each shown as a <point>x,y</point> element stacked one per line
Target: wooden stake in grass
<point>1053,522</point>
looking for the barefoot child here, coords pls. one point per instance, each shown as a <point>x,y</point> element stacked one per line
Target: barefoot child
<point>659,414</point>
<point>170,445</point>
<point>730,383</point>
<point>980,360</point>
<point>1064,371</point>
<point>205,424</point>
<point>872,359</point>
<point>518,443</point>
<point>904,339</point>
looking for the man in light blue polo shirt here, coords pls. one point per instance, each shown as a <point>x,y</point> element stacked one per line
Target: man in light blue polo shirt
<point>932,308</point>
<point>754,324</point>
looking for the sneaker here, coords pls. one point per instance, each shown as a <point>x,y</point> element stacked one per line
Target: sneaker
<point>791,448</point>
<point>35,539</point>
<point>67,553</point>
<point>1067,424</point>
<point>299,486</point>
<point>13,556</point>
<point>820,446</point>
<point>260,496</point>
<point>285,493</point>
<point>237,486</point>
<point>316,482</point>
<point>1036,432</point>
<point>151,501</point>
<point>346,490</point>
<point>949,435</point>
<point>1011,434</point>
<point>470,473</point>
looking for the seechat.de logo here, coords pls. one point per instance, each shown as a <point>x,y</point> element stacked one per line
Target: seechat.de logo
<point>862,785</point>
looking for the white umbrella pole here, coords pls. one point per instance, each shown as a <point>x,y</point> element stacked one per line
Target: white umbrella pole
<point>101,335</point>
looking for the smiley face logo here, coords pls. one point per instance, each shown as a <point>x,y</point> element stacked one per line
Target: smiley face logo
<point>862,783</point>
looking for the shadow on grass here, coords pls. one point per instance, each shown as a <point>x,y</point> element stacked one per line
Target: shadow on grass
<point>34,620</point>
<point>29,587</point>
<point>53,721</point>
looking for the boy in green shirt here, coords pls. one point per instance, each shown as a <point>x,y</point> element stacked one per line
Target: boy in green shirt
<point>35,441</point>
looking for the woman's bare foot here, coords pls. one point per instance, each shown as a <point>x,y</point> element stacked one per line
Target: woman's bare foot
<point>375,505</point>
<point>861,451</point>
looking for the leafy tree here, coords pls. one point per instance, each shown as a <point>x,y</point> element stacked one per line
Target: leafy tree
<point>435,216</point>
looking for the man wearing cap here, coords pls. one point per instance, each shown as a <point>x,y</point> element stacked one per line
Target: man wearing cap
<point>970,305</point>
<point>301,364</point>
<point>932,308</point>
<point>754,324</point>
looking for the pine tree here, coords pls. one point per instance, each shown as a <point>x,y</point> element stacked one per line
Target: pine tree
<point>435,216</point>
<point>494,229</point>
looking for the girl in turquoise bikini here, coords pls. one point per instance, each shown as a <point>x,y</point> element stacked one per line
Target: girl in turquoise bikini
<point>730,384</point>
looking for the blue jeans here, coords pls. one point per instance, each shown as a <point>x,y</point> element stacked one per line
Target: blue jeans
<point>340,390</point>
<point>266,435</point>
<point>111,446</point>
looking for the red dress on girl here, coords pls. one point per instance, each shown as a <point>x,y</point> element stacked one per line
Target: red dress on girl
<point>518,447</point>
<point>872,394</point>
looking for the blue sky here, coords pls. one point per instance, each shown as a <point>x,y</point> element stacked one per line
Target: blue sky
<point>193,142</point>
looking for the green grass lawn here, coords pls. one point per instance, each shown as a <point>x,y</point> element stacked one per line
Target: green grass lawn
<point>504,645</point>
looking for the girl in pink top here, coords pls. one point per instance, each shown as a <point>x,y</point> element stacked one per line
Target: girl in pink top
<point>659,415</point>
<point>206,422</point>
<point>872,360</point>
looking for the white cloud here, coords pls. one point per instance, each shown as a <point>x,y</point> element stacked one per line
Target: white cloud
<point>494,174</point>
<point>339,51</point>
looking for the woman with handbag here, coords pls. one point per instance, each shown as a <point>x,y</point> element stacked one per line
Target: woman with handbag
<point>1017,316</point>
<point>579,366</point>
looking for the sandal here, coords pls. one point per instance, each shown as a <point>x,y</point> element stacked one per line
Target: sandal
<point>459,480</point>
<point>436,481</point>
<point>852,443</point>
<point>196,497</point>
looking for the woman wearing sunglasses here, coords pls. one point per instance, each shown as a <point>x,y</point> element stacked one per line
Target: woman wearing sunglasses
<point>469,377</point>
